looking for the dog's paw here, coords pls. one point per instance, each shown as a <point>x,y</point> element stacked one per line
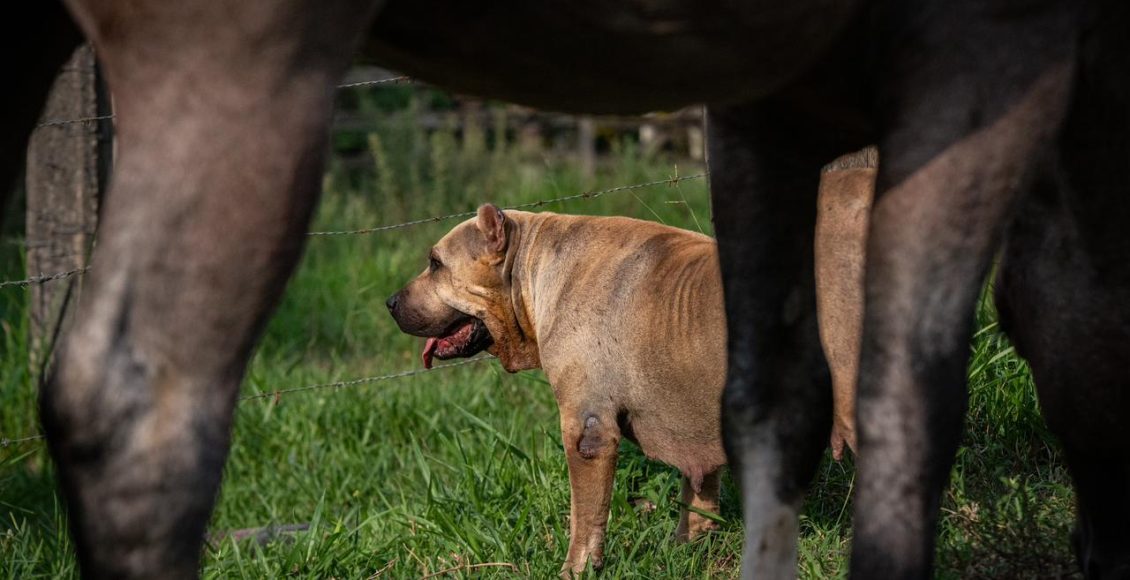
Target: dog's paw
<point>842,437</point>
<point>578,569</point>
<point>837,447</point>
<point>694,528</point>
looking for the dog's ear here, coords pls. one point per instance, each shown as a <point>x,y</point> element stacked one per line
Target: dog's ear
<point>492,223</point>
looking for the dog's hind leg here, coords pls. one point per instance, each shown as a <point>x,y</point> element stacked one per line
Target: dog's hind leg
<point>52,38</point>
<point>958,145</point>
<point>700,495</point>
<point>841,235</point>
<point>591,438</point>
<point>765,162</point>
<point>222,114</point>
<point>1064,295</point>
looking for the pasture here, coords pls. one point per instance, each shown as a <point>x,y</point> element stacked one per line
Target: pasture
<point>460,471</point>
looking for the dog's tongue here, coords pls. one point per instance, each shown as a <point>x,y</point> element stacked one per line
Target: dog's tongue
<point>445,347</point>
<point>429,350</point>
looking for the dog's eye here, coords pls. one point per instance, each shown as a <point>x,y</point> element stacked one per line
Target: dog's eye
<point>434,263</point>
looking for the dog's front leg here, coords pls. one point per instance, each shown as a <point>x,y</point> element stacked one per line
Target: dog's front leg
<point>592,441</point>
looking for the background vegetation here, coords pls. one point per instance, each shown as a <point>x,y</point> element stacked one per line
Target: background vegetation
<point>464,466</point>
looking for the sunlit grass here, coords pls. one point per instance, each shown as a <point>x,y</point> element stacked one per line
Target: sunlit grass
<point>464,466</point>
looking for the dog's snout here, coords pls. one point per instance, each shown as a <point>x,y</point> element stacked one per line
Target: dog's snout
<point>392,302</point>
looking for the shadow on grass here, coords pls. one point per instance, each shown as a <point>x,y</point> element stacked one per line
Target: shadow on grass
<point>27,485</point>
<point>33,526</point>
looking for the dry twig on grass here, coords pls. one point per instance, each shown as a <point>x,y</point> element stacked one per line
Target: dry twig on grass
<point>463,567</point>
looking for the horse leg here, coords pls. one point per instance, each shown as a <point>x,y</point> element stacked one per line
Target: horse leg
<point>222,116</point>
<point>776,407</point>
<point>956,149</point>
<point>1063,292</point>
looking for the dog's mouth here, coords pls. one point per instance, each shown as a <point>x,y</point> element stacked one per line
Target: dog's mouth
<point>465,338</point>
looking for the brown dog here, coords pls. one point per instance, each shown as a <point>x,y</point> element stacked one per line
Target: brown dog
<point>626,319</point>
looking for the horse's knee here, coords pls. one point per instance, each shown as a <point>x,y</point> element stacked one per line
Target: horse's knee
<point>97,385</point>
<point>140,442</point>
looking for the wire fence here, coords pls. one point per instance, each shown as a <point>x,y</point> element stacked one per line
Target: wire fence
<point>277,394</point>
<point>670,181</point>
<point>43,278</point>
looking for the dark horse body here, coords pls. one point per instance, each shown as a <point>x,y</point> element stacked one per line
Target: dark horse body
<point>222,111</point>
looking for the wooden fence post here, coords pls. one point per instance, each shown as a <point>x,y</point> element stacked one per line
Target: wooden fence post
<point>586,146</point>
<point>62,183</point>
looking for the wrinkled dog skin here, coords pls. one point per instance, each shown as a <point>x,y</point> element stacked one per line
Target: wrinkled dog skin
<point>625,317</point>
<point>996,120</point>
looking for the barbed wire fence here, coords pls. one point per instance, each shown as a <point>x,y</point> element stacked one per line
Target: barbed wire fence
<point>47,278</point>
<point>673,181</point>
<point>276,395</point>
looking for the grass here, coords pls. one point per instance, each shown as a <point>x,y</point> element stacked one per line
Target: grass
<point>463,467</point>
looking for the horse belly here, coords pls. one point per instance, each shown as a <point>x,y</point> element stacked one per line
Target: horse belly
<point>604,56</point>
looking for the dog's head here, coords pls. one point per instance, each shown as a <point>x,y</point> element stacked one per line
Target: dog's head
<point>463,301</point>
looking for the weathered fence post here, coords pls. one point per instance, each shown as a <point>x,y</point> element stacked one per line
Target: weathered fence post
<point>696,137</point>
<point>63,178</point>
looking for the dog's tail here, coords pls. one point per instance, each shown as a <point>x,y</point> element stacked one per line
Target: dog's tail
<point>867,158</point>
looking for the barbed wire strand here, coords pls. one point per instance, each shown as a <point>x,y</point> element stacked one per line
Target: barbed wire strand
<point>362,381</point>
<point>5,442</point>
<point>60,122</point>
<point>393,80</point>
<point>673,181</point>
<point>533,204</point>
<point>277,394</point>
<point>43,278</point>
